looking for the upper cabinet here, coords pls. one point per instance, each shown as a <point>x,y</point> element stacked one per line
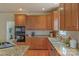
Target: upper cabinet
<point>49,21</point>
<point>69,17</point>
<point>62,17</point>
<point>66,17</point>
<point>31,22</point>
<point>75,16</point>
<point>56,15</point>
<point>42,22</point>
<point>78,18</point>
<point>20,19</point>
<point>37,22</point>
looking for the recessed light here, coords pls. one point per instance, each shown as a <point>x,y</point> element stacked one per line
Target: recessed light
<point>43,9</point>
<point>20,9</point>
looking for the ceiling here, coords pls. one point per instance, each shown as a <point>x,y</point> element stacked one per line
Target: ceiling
<point>27,7</point>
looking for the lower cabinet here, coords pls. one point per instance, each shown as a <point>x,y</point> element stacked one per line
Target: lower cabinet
<point>40,47</point>
<point>53,51</point>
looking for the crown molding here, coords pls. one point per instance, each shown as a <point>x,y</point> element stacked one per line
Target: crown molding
<point>27,13</point>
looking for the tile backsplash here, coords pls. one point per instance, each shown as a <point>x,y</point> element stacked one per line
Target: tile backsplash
<point>38,32</point>
<point>73,34</point>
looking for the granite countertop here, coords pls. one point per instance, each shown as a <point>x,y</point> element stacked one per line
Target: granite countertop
<point>62,49</point>
<point>14,51</point>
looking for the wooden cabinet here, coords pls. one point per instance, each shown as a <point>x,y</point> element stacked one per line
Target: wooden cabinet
<point>69,17</point>
<point>20,19</point>
<point>37,22</point>
<point>49,21</point>
<point>75,16</point>
<point>31,22</point>
<point>78,17</point>
<point>41,22</point>
<point>52,50</point>
<point>40,47</point>
<point>55,53</point>
<point>56,15</point>
<point>62,17</point>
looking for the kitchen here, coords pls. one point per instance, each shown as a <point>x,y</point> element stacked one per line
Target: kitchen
<point>39,29</point>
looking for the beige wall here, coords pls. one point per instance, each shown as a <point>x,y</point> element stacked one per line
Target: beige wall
<point>4,17</point>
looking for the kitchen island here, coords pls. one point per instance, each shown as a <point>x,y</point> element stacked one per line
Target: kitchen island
<point>17,50</point>
<point>62,49</point>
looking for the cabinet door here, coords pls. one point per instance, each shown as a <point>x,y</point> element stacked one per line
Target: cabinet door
<point>78,18</point>
<point>62,15</point>
<point>31,22</point>
<point>68,16</point>
<point>52,21</point>
<point>42,22</point>
<point>74,16</point>
<point>71,17</point>
<point>49,22</point>
<point>56,19</point>
<point>20,19</point>
<point>37,22</point>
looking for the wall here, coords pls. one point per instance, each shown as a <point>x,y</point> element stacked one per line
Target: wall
<point>4,17</point>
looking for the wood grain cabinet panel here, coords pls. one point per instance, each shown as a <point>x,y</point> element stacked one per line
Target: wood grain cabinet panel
<point>20,19</point>
<point>78,17</point>
<point>75,16</point>
<point>37,22</point>
<point>40,47</point>
<point>42,22</point>
<point>32,22</point>
<point>69,17</point>
<point>52,50</point>
<point>62,17</point>
<point>56,19</point>
<point>50,21</point>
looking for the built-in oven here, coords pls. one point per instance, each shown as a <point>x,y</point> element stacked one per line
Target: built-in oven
<point>20,33</point>
<point>20,38</point>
